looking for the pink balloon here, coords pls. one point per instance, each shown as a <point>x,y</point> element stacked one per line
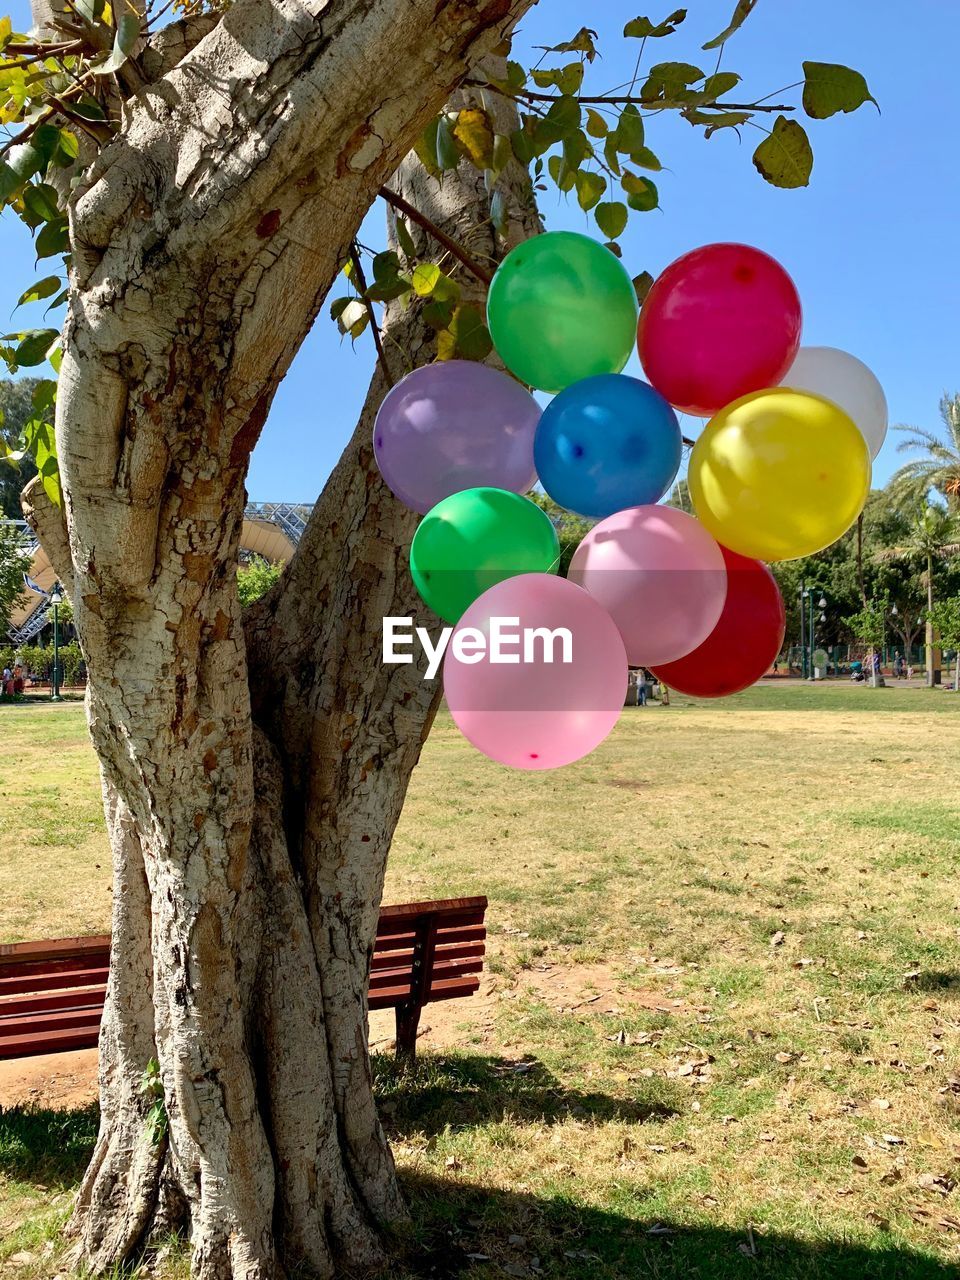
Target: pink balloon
<point>536,714</point>
<point>660,576</point>
<point>719,322</point>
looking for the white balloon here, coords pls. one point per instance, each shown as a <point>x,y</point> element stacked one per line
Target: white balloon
<point>842,378</point>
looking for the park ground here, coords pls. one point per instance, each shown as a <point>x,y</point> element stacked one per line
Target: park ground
<point>719,1035</point>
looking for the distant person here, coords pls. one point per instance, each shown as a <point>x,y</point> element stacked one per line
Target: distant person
<point>7,685</point>
<point>876,663</point>
<point>17,678</point>
<point>642,687</point>
<point>898,666</point>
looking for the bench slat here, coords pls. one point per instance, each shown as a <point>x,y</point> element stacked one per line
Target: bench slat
<point>78,998</point>
<point>52,992</point>
<point>53,981</point>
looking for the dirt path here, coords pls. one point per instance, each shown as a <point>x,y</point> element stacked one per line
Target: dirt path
<point>70,1079</point>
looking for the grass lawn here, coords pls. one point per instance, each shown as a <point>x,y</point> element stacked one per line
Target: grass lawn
<point>724,1035</point>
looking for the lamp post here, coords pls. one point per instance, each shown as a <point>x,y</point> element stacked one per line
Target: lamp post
<point>56,599</point>
<point>803,632</point>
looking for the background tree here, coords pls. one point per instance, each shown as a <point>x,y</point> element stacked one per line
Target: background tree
<point>14,563</point>
<point>932,537</point>
<point>16,466</point>
<point>945,616</point>
<point>208,179</point>
<point>937,468</point>
<point>868,625</point>
<point>255,578</point>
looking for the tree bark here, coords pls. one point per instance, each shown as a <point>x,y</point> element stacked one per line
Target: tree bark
<point>249,834</point>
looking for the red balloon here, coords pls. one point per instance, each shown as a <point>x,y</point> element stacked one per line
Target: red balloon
<point>743,644</point>
<point>719,322</point>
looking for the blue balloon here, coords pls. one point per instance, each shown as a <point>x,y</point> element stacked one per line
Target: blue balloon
<point>607,443</point>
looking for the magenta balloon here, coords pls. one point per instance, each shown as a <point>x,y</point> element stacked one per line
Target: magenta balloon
<point>455,425</point>
<point>537,714</point>
<point>661,577</point>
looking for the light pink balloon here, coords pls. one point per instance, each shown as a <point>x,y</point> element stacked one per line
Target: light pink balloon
<point>537,714</point>
<point>661,577</point>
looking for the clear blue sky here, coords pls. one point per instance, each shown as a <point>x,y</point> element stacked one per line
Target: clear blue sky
<point>872,243</point>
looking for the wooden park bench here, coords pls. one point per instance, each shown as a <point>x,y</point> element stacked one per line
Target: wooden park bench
<point>52,993</point>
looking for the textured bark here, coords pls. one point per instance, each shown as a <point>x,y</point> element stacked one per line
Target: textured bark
<point>249,842</point>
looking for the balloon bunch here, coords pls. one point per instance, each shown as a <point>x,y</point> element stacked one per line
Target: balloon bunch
<point>781,470</point>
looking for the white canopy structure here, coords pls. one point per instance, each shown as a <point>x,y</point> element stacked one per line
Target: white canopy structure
<point>270,530</point>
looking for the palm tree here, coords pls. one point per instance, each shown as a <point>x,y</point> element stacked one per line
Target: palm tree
<point>938,466</point>
<point>933,537</point>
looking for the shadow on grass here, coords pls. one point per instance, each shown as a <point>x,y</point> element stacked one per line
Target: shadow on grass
<point>472,1232</point>
<point>936,980</point>
<point>468,1231</point>
<point>468,1090</point>
<point>49,1148</point>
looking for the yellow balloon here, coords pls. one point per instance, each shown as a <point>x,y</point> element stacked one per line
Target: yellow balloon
<point>779,474</point>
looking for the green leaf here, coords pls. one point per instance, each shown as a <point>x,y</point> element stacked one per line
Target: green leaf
<point>642,285</point>
<point>597,127</point>
<point>642,194</point>
<point>473,134</point>
<point>640,28</point>
<point>54,238</point>
<point>576,148</point>
<point>124,43</point>
<point>426,278</point>
<point>516,77</point>
<point>448,153</point>
<point>610,153</point>
<point>564,115</point>
<point>44,288</point>
<point>502,153</point>
<point>42,201</point>
<point>570,78</point>
<point>438,315</point>
<point>471,333</point>
<point>785,158</point>
<point>668,80</point>
<point>523,146</point>
<point>717,85</point>
<point>386,267</point>
<point>21,164</point>
<point>404,238</point>
<point>87,108</point>
<point>590,188</point>
<point>628,137</point>
<point>338,306</point>
<point>829,88</point>
<point>67,149</point>
<point>561,173</point>
<point>57,302</point>
<point>426,149</point>
<point>33,347</point>
<point>740,15</point>
<point>611,218</point>
<point>44,395</point>
<point>646,159</point>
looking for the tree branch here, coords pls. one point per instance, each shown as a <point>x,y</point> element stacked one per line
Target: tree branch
<point>441,237</point>
<point>613,100</point>
<point>374,326</point>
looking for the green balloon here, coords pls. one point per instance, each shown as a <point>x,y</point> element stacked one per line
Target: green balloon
<point>474,539</point>
<point>561,307</point>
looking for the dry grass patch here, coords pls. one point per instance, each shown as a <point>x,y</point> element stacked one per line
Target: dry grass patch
<point>762,897</point>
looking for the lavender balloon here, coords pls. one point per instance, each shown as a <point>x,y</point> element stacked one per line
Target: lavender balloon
<point>455,425</point>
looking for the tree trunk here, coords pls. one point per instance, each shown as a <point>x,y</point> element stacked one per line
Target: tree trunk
<point>249,835</point>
